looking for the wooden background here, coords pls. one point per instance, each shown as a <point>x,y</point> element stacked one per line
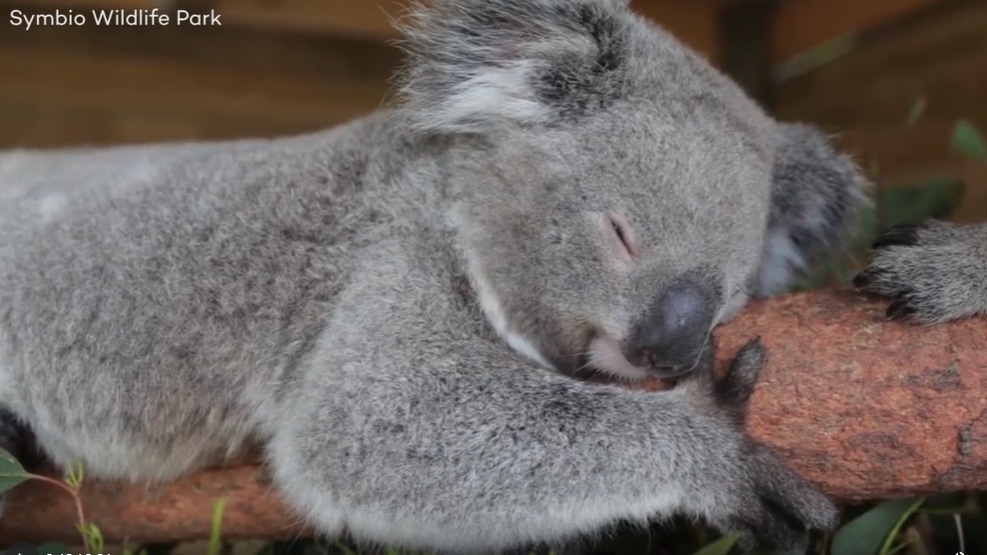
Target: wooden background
<point>937,54</point>
<point>286,66</point>
<point>274,67</point>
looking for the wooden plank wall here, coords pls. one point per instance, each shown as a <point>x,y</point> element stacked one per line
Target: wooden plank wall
<point>866,96</point>
<point>801,25</point>
<point>274,67</point>
<point>87,85</point>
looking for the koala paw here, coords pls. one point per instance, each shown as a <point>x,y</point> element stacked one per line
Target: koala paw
<point>776,506</point>
<point>764,501</point>
<point>933,272</point>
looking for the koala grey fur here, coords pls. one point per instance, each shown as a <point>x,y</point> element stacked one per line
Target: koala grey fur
<point>393,307</point>
<point>935,271</point>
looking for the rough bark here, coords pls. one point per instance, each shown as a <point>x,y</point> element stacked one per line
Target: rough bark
<point>868,409</point>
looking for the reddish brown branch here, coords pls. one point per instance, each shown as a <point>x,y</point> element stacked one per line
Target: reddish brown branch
<point>867,409</point>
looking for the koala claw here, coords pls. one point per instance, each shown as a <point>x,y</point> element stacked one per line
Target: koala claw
<point>905,234</point>
<point>932,272</point>
<point>786,506</point>
<point>738,385</point>
<point>773,504</point>
<point>900,308</point>
<point>778,507</point>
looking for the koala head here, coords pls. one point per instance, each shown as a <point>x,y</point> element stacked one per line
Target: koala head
<point>614,196</point>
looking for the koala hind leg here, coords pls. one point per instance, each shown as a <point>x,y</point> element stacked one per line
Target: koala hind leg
<point>934,272</point>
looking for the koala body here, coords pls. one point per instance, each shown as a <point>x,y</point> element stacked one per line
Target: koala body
<point>393,307</point>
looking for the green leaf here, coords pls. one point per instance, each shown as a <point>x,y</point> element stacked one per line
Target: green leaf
<point>907,204</point>
<point>344,548</point>
<point>969,141</point>
<point>873,532</point>
<point>215,535</point>
<point>93,535</point>
<point>721,546</point>
<point>74,476</point>
<point>52,548</point>
<point>913,203</point>
<point>949,503</point>
<point>11,471</point>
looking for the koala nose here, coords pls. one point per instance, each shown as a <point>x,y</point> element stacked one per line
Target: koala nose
<point>671,337</point>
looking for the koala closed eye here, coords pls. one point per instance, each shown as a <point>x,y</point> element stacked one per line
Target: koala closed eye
<point>620,230</point>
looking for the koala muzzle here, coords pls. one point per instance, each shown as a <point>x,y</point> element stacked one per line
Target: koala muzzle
<point>671,337</point>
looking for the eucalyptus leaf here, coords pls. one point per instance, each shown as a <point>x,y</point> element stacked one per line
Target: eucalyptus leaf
<point>721,546</point>
<point>11,471</point>
<point>949,503</point>
<point>909,203</point>
<point>53,548</point>
<point>872,533</point>
<point>344,549</point>
<point>215,546</point>
<point>969,141</point>
<point>92,533</point>
<point>932,198</point>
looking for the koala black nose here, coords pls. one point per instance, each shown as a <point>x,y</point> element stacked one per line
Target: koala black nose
<point>670,339</point>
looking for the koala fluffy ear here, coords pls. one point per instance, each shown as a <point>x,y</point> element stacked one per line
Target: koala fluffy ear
<point>477,64</point>
<point>816,196</point>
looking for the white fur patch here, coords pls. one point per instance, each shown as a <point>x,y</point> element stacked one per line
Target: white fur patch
<point>781,258</point>
<point>490,304</point>
<point>605,355</point>
<point>494,312</point>
<point>495,94</point>
<point>732,308</point>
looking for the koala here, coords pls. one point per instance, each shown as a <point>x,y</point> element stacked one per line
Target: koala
<point>934,272</point>
<point>394,309</point>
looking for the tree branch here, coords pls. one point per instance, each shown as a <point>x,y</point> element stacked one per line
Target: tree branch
<point>867,409</point>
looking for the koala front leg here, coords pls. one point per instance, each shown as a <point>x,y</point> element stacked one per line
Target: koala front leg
<point>472,450</point>
<point>934,272</point>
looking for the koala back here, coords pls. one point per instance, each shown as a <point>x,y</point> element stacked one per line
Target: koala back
<point>155,299</point>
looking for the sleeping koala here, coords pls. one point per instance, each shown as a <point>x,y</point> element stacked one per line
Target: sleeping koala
<point>393,308</point>
<point>935,272</point>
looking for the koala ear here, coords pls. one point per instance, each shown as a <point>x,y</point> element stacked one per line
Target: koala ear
<point>478,64</point>
<point>816,196</point>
